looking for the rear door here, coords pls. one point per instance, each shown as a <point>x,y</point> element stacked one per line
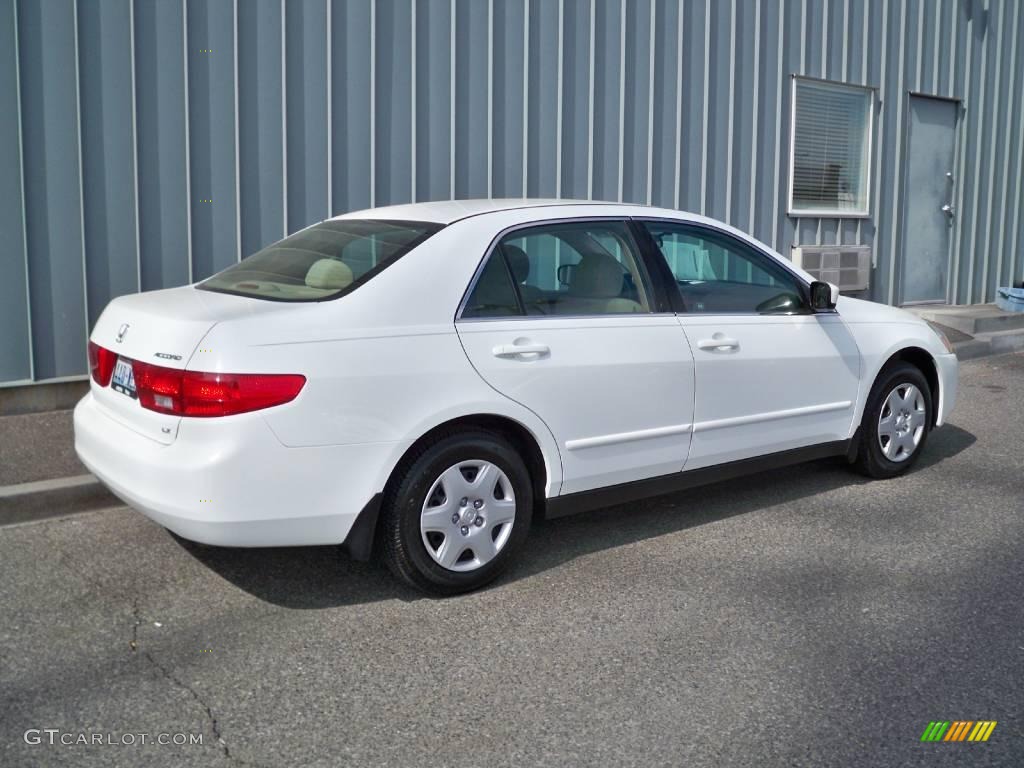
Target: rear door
<point>770,374</point>
<point>563,319</point>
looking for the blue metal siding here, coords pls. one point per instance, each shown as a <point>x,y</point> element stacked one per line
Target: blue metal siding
<point>162,147</point>
<point>108,174</point>
<point>147,144</point>
<point>47,34</point>
<point>261,155</point>
<point>15,349</point>
<point>211,132</point>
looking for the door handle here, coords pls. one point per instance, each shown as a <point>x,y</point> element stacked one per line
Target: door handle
<point>948,210</point>
<point>516,350</point>
<point>718,342</point>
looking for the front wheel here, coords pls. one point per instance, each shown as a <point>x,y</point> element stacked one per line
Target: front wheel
<point>456,512</point>
<point>897,420</point>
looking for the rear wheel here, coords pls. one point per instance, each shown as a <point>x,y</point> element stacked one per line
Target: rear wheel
<point>456,512</point>
<point>897,420</point>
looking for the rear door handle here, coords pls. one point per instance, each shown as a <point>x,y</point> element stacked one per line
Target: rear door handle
<point>718,342</point>
<point>516,350</point>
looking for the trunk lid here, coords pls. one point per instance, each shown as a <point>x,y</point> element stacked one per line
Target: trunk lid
<point>162,328</point>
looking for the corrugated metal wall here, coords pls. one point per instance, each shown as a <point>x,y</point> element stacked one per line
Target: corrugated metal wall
<point>147,143</point>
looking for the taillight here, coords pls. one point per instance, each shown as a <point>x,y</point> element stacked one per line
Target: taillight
<point>101,363</point>
<point>194,393</point>
<point>158,388</point>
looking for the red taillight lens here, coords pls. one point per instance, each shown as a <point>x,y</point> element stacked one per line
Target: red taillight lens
<point>101,363</point>
<point>222,394</point>
<point>158,388</point>
<point>194,393</point>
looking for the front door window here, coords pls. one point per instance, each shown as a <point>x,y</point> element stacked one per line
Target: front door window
<point>718,274</point>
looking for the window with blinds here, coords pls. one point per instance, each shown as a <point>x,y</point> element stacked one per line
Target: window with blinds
<point>831,149</point>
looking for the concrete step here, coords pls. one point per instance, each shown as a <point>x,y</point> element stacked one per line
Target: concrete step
<point>972,348</point>
<point>1002,342</point>
<point>975,319</point>
<point>995,343</point>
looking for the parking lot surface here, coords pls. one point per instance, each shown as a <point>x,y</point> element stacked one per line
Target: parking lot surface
<point>797,617</point>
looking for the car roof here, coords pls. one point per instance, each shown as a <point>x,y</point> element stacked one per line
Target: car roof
<point>448,211</point>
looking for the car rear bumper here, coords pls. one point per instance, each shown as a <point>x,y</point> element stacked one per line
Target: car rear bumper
<point>230,481</point>
<point>948,369</point>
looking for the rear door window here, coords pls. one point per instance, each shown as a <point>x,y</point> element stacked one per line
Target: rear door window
<point>570,269</point>
<point>494,295</point>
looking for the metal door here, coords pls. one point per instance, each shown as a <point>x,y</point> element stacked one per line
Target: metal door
<point>931,142</point>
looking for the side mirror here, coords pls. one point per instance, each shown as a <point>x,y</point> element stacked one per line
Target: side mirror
<point>823,296</point>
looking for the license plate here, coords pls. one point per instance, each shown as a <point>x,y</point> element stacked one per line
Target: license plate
<point>124,378</point>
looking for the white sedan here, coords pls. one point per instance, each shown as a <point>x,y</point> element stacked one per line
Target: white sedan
<point>420,381</point>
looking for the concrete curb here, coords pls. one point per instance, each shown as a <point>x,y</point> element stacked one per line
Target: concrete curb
<point>44,499</point>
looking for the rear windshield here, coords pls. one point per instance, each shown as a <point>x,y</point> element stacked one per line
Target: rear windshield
<point>323,261</point>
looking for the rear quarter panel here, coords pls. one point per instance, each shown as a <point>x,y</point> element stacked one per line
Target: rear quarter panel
<point>367,386</point>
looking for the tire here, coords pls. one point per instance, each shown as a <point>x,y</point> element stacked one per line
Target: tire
<point>430,538</point>
<point>891,447</point>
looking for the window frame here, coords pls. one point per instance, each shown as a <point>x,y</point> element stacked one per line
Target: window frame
<point>666,276</point>
<point>831,213</point>
<point>660,297</point>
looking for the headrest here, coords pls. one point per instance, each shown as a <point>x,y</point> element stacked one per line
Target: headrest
<point>597,276</point>
<point>329,273</point>
<point>518,261</point>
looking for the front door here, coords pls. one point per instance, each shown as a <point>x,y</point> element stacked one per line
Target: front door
<point>769,374</point>
<point>931,140</point>
<point>562,319</point>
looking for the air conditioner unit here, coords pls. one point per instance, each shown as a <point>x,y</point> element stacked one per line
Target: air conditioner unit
<point>848,266</point>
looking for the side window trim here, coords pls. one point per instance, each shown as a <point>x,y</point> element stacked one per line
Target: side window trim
<point>654,278</point>
<point>515,283</point>
<point>668,296</point>
<point>697,228</point>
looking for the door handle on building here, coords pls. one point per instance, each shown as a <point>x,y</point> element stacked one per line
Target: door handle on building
<point>948,210</point>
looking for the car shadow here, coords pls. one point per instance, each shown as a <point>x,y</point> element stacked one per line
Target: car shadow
<point>322,577</point>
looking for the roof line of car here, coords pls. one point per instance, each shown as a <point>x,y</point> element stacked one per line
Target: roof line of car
<point>545,205</point>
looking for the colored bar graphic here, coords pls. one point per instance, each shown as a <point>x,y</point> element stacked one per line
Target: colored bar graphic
<point>935,730</point>
<point>958,730</point>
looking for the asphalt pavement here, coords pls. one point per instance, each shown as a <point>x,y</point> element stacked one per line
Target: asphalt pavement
<point>804,617</point>
<point>38,446</point>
